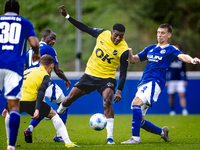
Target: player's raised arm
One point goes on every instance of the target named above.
(60, 73)
(133, 58)
(188, 59)
(92, 31)
(63, 10)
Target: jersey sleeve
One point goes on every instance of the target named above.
(41, 91)
(92, 31)
(123, 69)
(31, 31)
(51, 51)
(176, 53)
(143, 54)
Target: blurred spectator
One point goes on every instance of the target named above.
(176, 83)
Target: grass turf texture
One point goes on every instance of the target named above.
(184, 134)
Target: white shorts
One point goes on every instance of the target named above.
(12, 83)
(148, 93)
(176, 86)
(54, 93)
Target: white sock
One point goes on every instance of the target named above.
(109, 127)
(162, 133)
(31, 128)
(7, 118)
(61, 129)
(136, 138)
(61, 109)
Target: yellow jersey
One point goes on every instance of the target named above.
(105, 57)
(32, 81)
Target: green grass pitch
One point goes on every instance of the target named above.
(184, 134)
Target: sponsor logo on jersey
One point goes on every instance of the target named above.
(163, 51)
(101, 42)
(154, 58)
(100, 54)
(115, 52)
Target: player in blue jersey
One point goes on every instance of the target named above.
(53, 92)
(15, 30)
(176, 83)
(159, 57)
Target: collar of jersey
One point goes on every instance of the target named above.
(43, 42)
(163, 46)
(11, 14)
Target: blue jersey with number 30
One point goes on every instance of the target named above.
(158, 60)
(14, 32)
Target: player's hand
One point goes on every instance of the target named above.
(130, 55)
(117, 96)
(4, 113)
(35, 57)
(68, 83)
(196, 61)
(63, 10)
(36, 114)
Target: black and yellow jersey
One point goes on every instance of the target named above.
(105, 57)
(32, 81)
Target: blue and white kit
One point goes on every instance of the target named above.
(158, 60)
(176, 77)
(14, 32)
(54, 92)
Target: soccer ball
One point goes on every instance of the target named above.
(98, 121)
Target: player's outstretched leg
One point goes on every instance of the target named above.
(150, 127)
(57, 137)
(29, 130)
(136, 122)
(164, 134)
(61, 129)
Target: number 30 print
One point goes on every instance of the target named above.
(10, 32)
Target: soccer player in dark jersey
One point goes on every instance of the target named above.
(159, 57)
(54, 92)
(176, 83)
(15, 30)
(110, 51)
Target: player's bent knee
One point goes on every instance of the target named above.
(51, 113)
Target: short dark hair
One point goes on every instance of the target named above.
(46, 32)
(165, 25)
(12, 6)
(46, 60)
(119, 27)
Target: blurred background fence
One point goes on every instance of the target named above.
(92, 103)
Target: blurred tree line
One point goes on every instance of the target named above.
(140, 17)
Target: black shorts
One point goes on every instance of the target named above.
(89, 83)
(29, 107)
